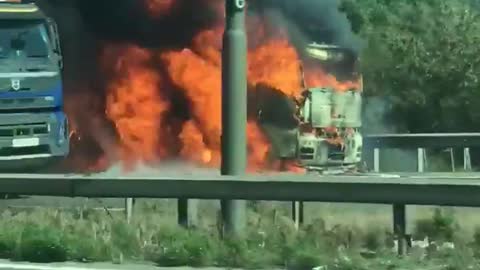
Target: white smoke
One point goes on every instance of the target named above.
(165, 169)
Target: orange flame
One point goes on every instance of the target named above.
(277, 65)
(200, 81)
(138, 94)
(136, 107)
(208, 44)
(316, 77)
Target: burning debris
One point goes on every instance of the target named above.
(156, 91)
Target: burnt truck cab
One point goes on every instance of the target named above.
(33, 125)
(320, 130)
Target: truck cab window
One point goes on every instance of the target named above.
(29, 38)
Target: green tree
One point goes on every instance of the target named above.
(423, 57)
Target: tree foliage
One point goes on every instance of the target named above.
(423, 58)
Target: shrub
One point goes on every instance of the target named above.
(41, 244)
(441, 227)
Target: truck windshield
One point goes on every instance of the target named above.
(331, 67)
(29, 37)
(339, 63)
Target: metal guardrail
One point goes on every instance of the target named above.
(398, 190)
(377, 189)
(421, 140)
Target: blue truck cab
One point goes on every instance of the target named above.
(33, 125)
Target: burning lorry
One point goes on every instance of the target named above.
(33, 126)
(319, 129)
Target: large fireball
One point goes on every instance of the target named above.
(165, 103)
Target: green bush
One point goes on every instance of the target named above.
(41, 244)
(52, 236)
(440, 227)
(180, 247)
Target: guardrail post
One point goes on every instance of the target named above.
(297, 213)
(399, 210)
(376, 160)
(399, 227)
(187, 212)
(452, 158)
(467, 163)
(234, 108)
(421, 160)
(129, 209)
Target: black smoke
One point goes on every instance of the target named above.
(307, 21)
(84, 24)
(128, 20)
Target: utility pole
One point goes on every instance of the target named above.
(234, 109)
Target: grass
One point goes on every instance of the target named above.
(84, 235)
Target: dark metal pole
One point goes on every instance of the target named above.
(234, 108)
(399, 227)
(187, 212)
